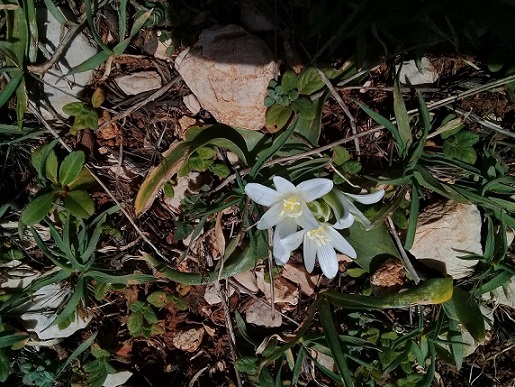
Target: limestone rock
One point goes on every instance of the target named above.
(228, 70)
(445, 232)
(139, 82)
(410, 74)
(60, 92)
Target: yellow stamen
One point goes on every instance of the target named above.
(319, 236)
(291, 208)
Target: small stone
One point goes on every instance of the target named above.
(189, 340)
(139, 82)
(192, 104)
(411, 75)
(446, 231)
(228, 70)
(389, 278)
(117, 379)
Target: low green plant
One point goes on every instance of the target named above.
(203, 159)
(61, 182)
(143, 320)
(84, 116)
(99, 368)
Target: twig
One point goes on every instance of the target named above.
(343, 105)
(487, 124)
(34, 111)
(41, 69)
(140, 104)
(405, 259)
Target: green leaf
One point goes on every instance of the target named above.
(87, 120)
(10, 340)
(135, 323)
(11, 87)
(220, 170)
(304, 107)
(277, 117)
(150, 315)
(51, 166)
(206, 153)
(309, 81)
(38, 208)
(39, 156)
(79, 204)
(5, 366)
(75, 108)
(71, 167)
(158, 299)
(351, 166)
(289, 81)
(168, 190)
(460, 147)
(340, 155)
(401, 116)
(372, 247)
(465, 309)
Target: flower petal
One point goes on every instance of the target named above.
(262, 194)
(283, 186)
(368, 198)
(327, 260)
(309, 252)
(359, 216)
(293, 241)
(271, 217)
(307, 219)
(282, 230)
(340, 243)
(314, 188)
(344, 222)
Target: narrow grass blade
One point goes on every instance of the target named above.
(55, 11)
(122, 18)
(11, 87)
(7, 341)
(402, 118)
(75, 354)
(500, 278)
(72, 303)
(127, 279)
(413, 216)
(334, 343)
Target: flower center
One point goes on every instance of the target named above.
(291, 208)
(319, 236)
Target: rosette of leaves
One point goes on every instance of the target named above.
(143, 320)
(63, 182)
(85, 117)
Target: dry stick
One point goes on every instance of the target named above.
(34, 111)
(487, 124)
(140, 104)
(343, 105)
(405, 259)
(41, 69)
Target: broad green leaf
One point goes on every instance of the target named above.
(83, 181)
(135, 323)
(220, 170)
(429, 292)
(277, 117)
(74, 108)
(460, 146)
(402, 118)
(158, 299)
(5, 366)
(372, 247)
(98, 98)
(289, 81)
(206, 153)
(309, 81)
(456, 337)
(305, 107)
(38, 208)
(87, 120)
(340, 155)
(39, 157)
(465, 309)
(51, 166)
(79, 204)
(71, 167)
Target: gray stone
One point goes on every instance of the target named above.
(228, 70)
(137, 83)
(410, 74)
(446, 231)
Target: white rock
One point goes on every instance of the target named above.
(192, 103)
(117, 379)
(65, 90)
(503, 295)
(445, 232)
(228, 70)
(163, 49)
(410, 74)
(139, 82)
(261, 314)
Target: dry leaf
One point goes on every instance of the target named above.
(260, 314)
(189, 340)
(298, 275)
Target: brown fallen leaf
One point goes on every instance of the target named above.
(189, 340)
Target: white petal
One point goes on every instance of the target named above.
(271, 217)
(344, 222)
(314, 188)
(309, 253)
(262, 194)
(327, 260)
(293, 241)
(340, 243)
(359, 216)
(369, 198)
(283, 186)
(307, 219)
(282, 230)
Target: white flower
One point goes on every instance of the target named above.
(349, 208)
(288, 208)
(320, 242)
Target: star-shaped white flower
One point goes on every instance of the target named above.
(320, 242)
(346, 201)
(288, 208)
